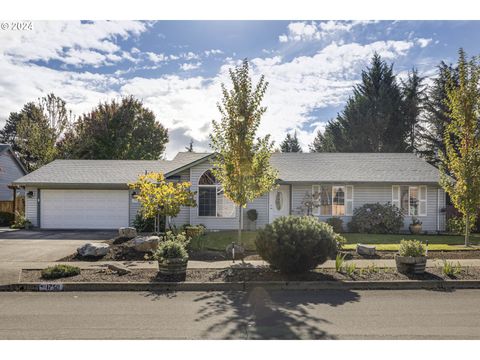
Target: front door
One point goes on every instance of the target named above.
(279, 202)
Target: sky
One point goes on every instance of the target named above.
(176, 67)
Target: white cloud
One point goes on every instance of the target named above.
(213, 52)
(69, 42)
(156, 58)
(423, 42)
(190, 66)
(308, 31)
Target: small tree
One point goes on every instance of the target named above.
(242, 164)
(461, 164)
(291, 144)
(160, 197)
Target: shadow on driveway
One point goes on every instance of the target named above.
(7, 234)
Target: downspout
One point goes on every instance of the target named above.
(438, 210)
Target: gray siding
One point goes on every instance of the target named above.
(382, 193)
(31, 206)
(261, 205)
(9, 171)
(183, 216)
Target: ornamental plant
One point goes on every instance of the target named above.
(159, 197)
(376, 219)
(170, 249)
(296, 244)
(413, 248)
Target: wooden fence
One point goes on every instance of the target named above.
(7, 206)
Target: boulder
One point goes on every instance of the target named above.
(239, 251)
(93, 249)
(127, 232)
(366, 250)
(146, 243)
(120, 270)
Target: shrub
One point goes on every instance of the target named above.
(376, 219)
(60, 271)
(336, 223)
(142, 224)
(252, 215)
(170, 249)
(456, 225)
(180, 237)
(21, 222)
(296, 244)
(6, 218)
(193, 231)
(350, 268)
(412, 248)
(451, 270)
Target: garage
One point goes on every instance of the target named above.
(84, 209)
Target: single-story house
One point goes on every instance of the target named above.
(11, 169)
(94, 194)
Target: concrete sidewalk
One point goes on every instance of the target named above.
(10, 271)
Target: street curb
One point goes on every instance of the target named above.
(247, 286)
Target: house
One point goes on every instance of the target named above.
(10, 169)
(94, 193)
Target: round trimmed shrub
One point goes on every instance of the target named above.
(296, 244)
(376, 219)
(336, 223)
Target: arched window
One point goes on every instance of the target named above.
(211, 198)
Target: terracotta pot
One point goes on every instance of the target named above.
(411, 264)
(172, 266)
(415, 229)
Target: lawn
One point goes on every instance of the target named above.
(218, 240)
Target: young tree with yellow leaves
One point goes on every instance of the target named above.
(160, 197)
(461, 169)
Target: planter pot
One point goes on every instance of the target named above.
(410, 264)
(172, 266)
(415, 229)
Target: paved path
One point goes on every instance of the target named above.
(237, 315)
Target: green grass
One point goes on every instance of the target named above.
(218, 240)
(354, 238)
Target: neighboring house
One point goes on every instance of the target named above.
(94, 193)
(10, 169)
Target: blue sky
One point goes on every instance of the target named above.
(176, 67)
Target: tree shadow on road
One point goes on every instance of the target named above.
(263, 314)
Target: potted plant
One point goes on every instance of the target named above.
(172, 258)
(252, 216)
(416, 226)
(411, 257)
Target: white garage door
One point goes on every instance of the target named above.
(83, 209)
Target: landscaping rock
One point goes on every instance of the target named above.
(146, 243)
(127, 232)
(239, 251)
(366, 250)
(93, 250)
(120, 270)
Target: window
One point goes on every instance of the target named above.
(332, 200)
(412, 200)
(211, 198)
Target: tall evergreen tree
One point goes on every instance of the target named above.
(326, 142)
(413, 91)
(291, 144)
(436, 117)
(372, 120)
(189, 148)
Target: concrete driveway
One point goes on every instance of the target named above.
(20, 247)
(24, 245)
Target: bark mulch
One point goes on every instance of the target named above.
(251, 274)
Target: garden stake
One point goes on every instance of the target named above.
(426, 248)
(233, 251)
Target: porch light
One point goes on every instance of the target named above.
(30, 194)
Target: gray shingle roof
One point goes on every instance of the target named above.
(353, 167)
(292, 167)
(102, 172)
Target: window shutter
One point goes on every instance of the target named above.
(316, 199)
(396, 196)
(349, 200)
(422, 197)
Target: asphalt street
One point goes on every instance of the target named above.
(259, 314)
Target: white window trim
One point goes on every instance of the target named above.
(398, 202)
(316, 211)
(216, 192)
